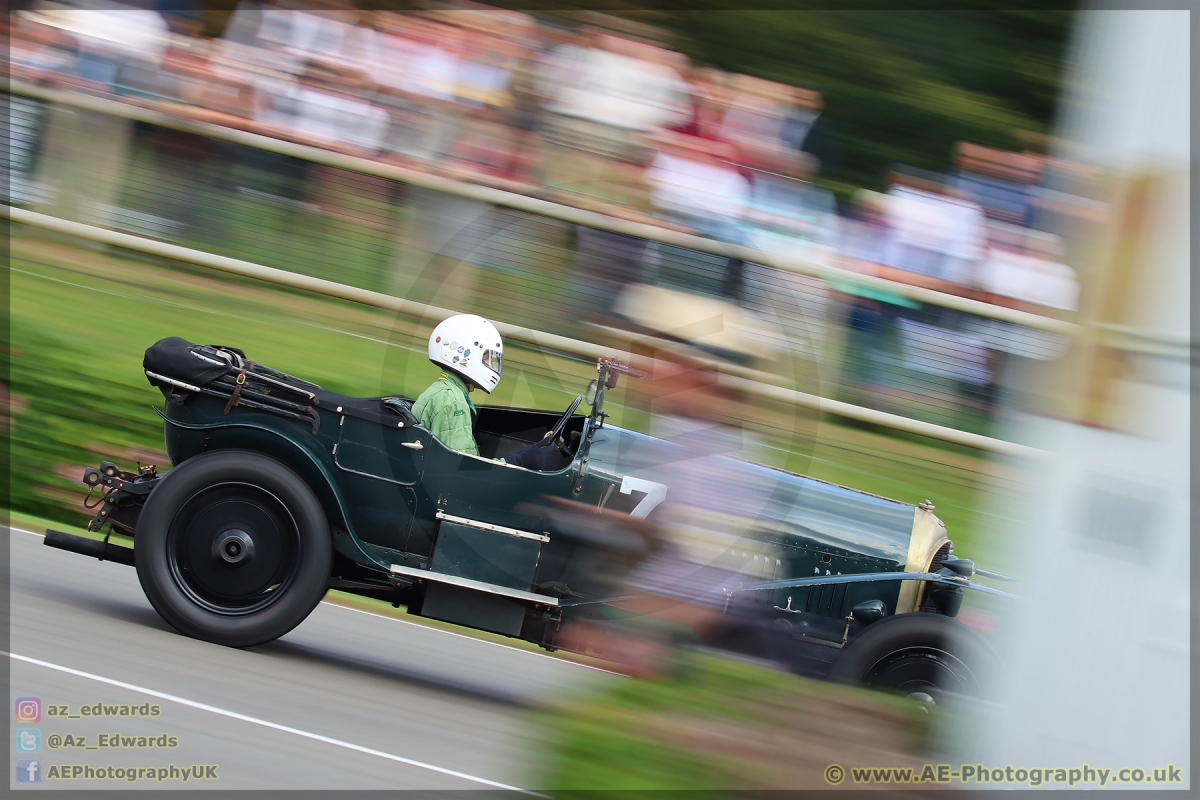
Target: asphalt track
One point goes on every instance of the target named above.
(347, 700)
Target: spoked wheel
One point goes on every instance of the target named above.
(922, 656)
(234, 548)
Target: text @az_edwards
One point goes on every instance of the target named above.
(75, 772)
(980, 774)
(111, 741)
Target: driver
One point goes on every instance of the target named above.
(470, 352)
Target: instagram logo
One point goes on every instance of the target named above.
(29, 709)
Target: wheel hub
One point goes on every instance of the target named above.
(925, 700)
(234, 546)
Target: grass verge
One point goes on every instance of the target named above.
(720, 727)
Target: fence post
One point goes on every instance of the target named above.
(83, 164)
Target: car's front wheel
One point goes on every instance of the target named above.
(233, 548)
(921, 655)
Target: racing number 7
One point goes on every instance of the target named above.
(655, 493)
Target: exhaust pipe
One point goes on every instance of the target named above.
(105, 551)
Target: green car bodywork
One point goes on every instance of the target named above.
(281, 490)
(409, 510)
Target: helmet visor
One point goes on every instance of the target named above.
(494, 360)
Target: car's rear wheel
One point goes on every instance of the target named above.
(926, 657)
(233, 548)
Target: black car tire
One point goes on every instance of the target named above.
(233, 547)
(919, 654)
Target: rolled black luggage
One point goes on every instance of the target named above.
(195, 365)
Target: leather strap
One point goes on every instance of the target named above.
(237, 389)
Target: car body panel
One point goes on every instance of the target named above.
(385, 487)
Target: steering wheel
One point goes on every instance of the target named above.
(555, 433)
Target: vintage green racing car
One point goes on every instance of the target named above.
(280, 490)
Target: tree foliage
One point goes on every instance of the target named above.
(900, 86)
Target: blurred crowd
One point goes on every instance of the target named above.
(599, 114)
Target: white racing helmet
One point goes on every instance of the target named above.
(470, 346)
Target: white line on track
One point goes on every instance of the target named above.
(266, 724)
(429, 628)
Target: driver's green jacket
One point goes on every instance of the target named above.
(446, 410)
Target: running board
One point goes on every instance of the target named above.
(479, 586)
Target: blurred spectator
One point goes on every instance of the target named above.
(1001, 183)
(413, 65)
(431, 69)
(932, 234)
(323, 109)
(324, 32)
(697, 184)
(490, 147)
(603, 95)
(196, 73)
(607, 78)
(243, 24)
(330, 111)
(788, 215)
(1067, 203)
(484, 71)
(114, 49)
(864, 231)
(240, 52)
(38, 50)
(122, 48)
(754, 122)
(707, 102)
(314, 87)
(807, 129)
(1025, 266)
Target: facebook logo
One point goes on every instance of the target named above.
(29, 740)
(29, 770)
